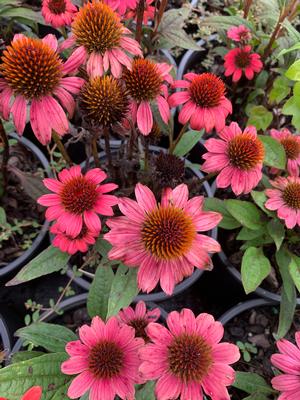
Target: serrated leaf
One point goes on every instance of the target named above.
(246, 213)
(48, 261)
(294, 268)
(255, 268)
(43, 371)
(260, 117)
(97, 302)
(187, 142)
(276, 231)
(228, 221)
(123, 289)
(274, 152)
(251, 382)
(51, 337)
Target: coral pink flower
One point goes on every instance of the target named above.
(78, 199)
(149, 12)
(71, 244)
(139, 318)
(35, 393)
(238, 158)
(291, 144)
(121, 6)
(289, 362)
(146, 82)
(58, 12)
(241, 60)
(106, 359)
(162, 239)
(101, 41)
(188, 359)
(239, 33)
(205, 104)
(285, 198)
(34, 75)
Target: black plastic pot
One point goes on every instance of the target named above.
(245, 306)
(76, 302)
(5, 336)
(84, 283)
(9, 323)
(29, 253)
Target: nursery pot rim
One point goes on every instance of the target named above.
(4, 335)
(71, 303)
(182, 286)
(244, 306)
(27, 255)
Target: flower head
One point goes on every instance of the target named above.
(238, 158)
(106, 359)
(145, 82)
(291, 144)
(241, 60)
(33, 74)
(239, 33)
(35, 393)
(162, 239)
(139, 318)
(58, 12)
(289, 362)
(188, 359)
(205, 104)
(285, 198)
(169, 170)
(78, 199)
(104, 101)
(100, 40)
(71, 244)
(149, 12)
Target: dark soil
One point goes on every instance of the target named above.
(257, 327)
(21, 210)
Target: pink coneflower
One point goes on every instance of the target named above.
(241, 60)
(71, 244)
(289, 362)
(106, 359)
(33, 74)
(285, 199)
(139, 318)
(188, 359)
(149, 12)
(35, 393)
(239, 33)
(162, 239)
(121, 6)
(238, 158)
(145, 82)
(205, 104)
(58, 12)
(291, 144)
(101, 41)
(78, 199)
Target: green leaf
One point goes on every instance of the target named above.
(48, 261)
(102, 246)
(97, 302)
(146, 392)
(246, 213)
(291, 107)
(294, 268)
(274, 152)
(3, 220)
(276, 231)
(283, 259)
(187, 142)
(255, 268)
(43, 371)
(256, 396)
(260, 199)
(285, 51)
(25, 355)
(280, 90)
(123, 289)
(225, 22)
(214, 204)
(286, 315)
(260, 117)
(251, 383)
(260, 241)
(249, 234)
(293, 72)
(50, 336)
